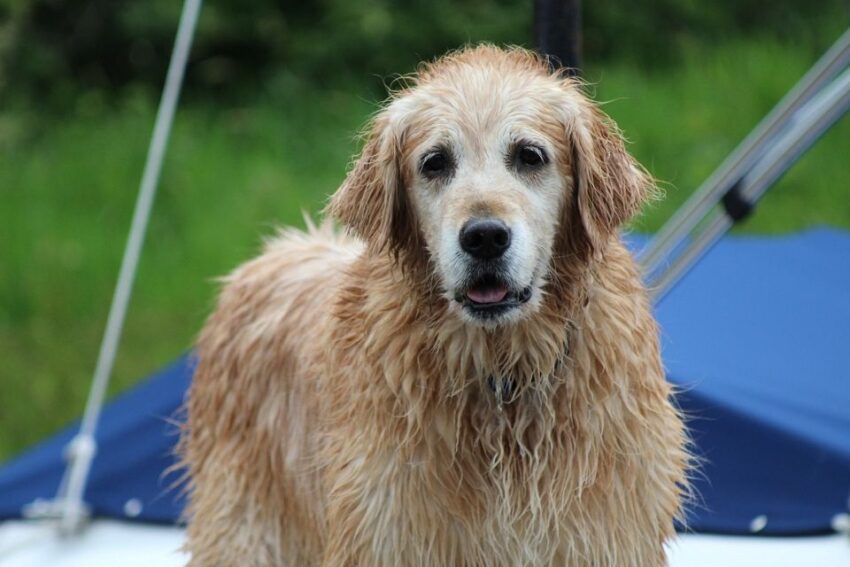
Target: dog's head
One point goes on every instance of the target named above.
(488, 170)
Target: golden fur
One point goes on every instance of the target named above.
(343, 413)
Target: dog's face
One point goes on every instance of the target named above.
(486, 190)
(481, 171)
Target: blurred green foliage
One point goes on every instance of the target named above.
(56, 46)
(52, 49)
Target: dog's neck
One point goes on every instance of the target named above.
(505, 361)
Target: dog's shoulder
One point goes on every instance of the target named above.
(616, 271)
(290, 280)
(288, 260)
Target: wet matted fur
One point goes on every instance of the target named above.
(356, 404)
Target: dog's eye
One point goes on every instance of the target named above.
(531, 156)
(435, 164)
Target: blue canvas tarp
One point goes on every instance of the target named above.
(134, 461)
(757, 339)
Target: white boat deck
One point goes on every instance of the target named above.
(109, 543)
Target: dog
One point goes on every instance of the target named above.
(469, 374)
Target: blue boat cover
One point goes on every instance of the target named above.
(757, 339)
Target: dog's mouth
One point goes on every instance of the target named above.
(490, 296)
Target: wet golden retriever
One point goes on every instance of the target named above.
(472, 377)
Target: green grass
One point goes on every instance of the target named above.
(684, 122)
(67, 188)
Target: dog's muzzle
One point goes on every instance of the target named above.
(489, 291)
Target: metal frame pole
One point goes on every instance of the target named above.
(820, 113)
(747, 153)
(69, 504)
(557, 32)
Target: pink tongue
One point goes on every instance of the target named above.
(487, 294)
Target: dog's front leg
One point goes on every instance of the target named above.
(384, 510)
(362, 518)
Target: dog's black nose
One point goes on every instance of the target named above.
(485, 239)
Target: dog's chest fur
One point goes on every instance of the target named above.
(481, 446)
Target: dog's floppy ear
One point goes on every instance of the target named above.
(372, 201)
(610, 185)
